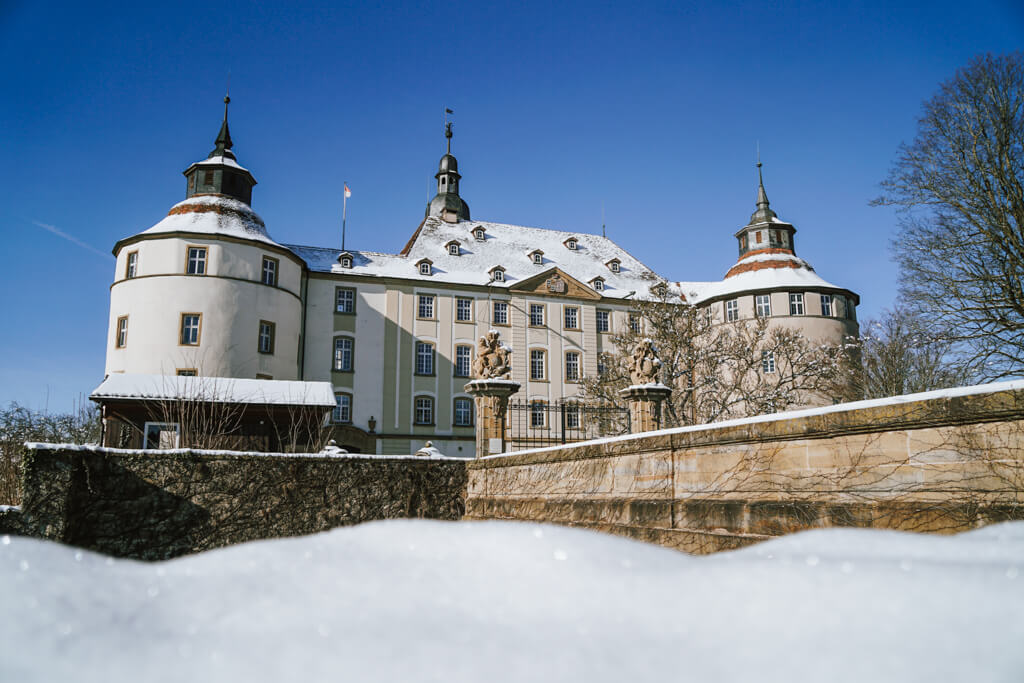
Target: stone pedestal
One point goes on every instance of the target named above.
(645, 406)
(491, 398)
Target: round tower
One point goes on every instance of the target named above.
(206, 290)
(447, 204)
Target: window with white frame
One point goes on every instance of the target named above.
(572, 317)
(342, 408)
(500, 313)
(424, 410)
(463, 412)
(196, 262)
(613, 266)
(425, 306)
(538, 258)
(161, 435)
(603, 321)
(122, 332)
(537, 364)
(269, 273)
(478, 234)
(634, 322)
(732, 310)
(498, 275)
(190, 324)
(826, 305)
(572, 416)
(536, 315)
(570, 244)
(265, 340)
(572, 366)
(463, 310)
(425, 268)
(346, 261)
(763, 305)
(463, 356)
(796, 303)
(768, 362)
(538, 414)
(344, 300)
(424, 358)
(131, 269)
(453, 248)
(343, 347)
(598, 285)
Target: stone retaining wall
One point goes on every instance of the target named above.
(942, 463)
(160, 504)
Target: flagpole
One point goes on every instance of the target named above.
(344, 207)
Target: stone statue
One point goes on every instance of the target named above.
(493, 359)
(645, 364)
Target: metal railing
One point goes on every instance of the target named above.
(536, 424)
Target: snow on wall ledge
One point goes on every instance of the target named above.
(160, 504)
(942, 461)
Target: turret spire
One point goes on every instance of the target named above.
(764, 212)
(447, 204)
(223, 142)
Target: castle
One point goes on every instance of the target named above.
(207, 291)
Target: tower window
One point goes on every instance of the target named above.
(826, 305)
(758, 237)
(195, 264)
(132, 265)
(207, 177)
(190, 324)
(763, 305)
(269, 271)
(122, 332)
(796, 304)
(265, 342)
(732, 310)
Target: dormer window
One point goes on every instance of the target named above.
(570, 244)
(613, 265)
(598, 284)
(425, 266)
(345, 259)
(497, 274)
(454, 249)
(479, 234)
(537, 256)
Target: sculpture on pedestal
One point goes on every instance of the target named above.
(645, 365)
(493, 359)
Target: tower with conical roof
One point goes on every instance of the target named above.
(765, 232)
(447, 204)
(220, 173)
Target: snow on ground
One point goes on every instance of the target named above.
(501, 601)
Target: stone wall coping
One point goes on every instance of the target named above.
(948, 407)
(104, 450)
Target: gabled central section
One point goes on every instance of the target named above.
(555, 282)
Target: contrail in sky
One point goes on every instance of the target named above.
(60, 233)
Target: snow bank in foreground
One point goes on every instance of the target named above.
(493, 601)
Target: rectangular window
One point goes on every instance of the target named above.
(190, 372)
(462, 360)
(343, 354)
(132, 266)
(768, 362)
(537, 364)
(190, 323)
(424, 410)
(572, 366)
(572, 318)
(602, 321)
(826, 304)
(269, 271)
(344, 300)
(464, 310)
(572, 416)
(160, 435)
(796, 304)
(425, 307)
(424, 358)
(196, 262)
(122, 332)
(763, 305)
(463, 412)
(266, 337)
(536, 315)
(732, 310)
(500, 316)
(634, 322)
(342, 408)
(538, 414)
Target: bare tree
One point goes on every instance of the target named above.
(960, 188)
(901, 354)
(720, 371)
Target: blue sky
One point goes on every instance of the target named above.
(652, 109)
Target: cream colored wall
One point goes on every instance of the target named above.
(230, 298)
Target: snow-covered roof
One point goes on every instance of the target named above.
(214, 215)
(215, 390)
(219, 160)
(757, 272)
(504, 245)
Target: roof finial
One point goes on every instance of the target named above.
(762, 196)
(223, 141)
(448, 128)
